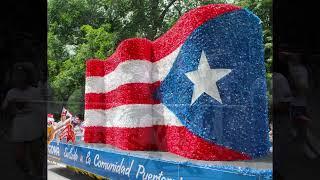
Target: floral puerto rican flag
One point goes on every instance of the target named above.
(198, 91)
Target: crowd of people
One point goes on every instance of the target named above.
(65, 126)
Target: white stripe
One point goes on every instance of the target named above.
(132, 116)
(132, 71)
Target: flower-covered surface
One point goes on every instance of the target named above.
(198, 91)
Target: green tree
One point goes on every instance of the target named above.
(78, 30)
(67, 77)
(66, 17)
(75, 102)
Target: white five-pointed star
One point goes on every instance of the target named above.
(205, 79)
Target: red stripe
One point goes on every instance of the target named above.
(177, 140)
(180, 141)
(130, 49)
(95, 67)
(172, 39)
(143, 49)
(139, 139)
(133, 93)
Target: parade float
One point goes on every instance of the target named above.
(190, 105)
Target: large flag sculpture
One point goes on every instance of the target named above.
(198, 91)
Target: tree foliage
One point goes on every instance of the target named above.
(85, 29)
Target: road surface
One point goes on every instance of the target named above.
(56, 172)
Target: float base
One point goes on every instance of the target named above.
(107, 161)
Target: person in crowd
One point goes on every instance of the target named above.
(300, 118)
(24, 103)
(282, 98)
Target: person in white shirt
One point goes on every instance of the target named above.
(25, 103)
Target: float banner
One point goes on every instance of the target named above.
(120, 165)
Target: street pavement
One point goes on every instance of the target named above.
(56, 172)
